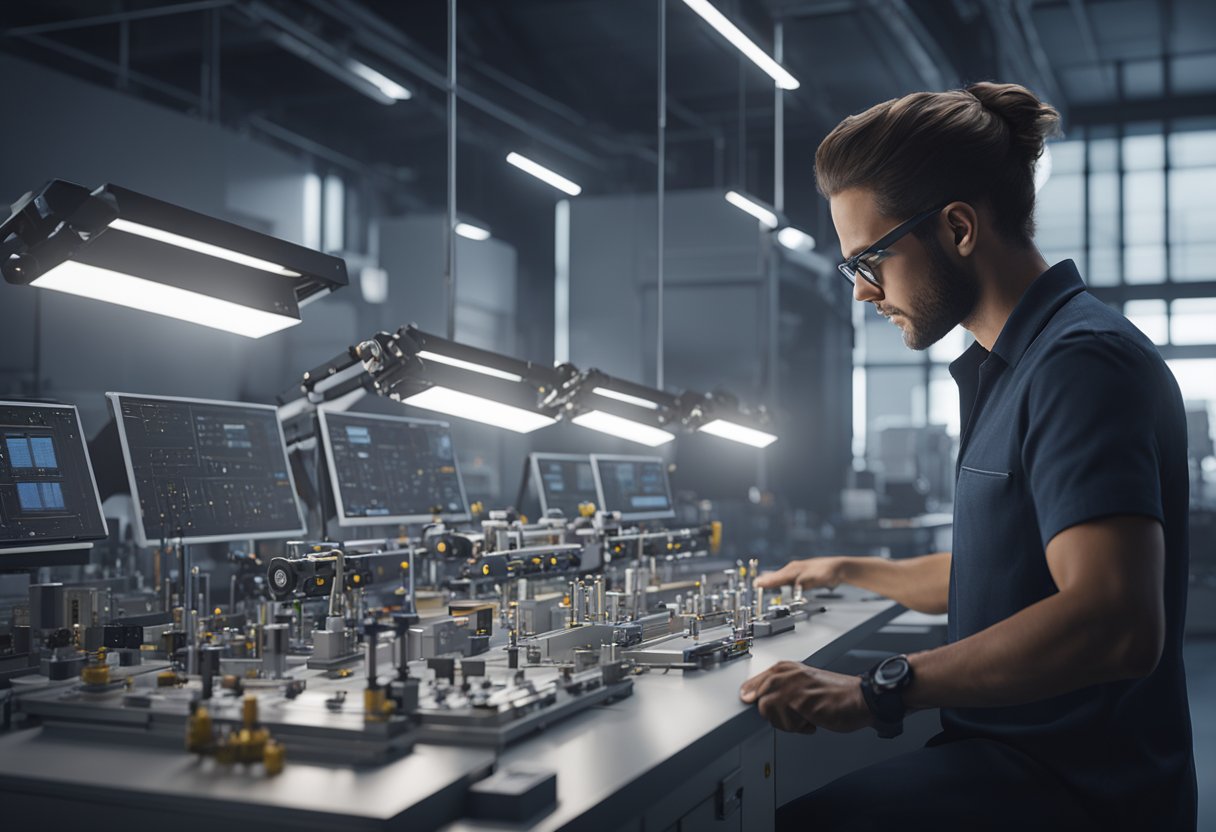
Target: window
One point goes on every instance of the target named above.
(1150, 317)
(1193, 321)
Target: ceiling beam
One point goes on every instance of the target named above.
(1149, 109)
(920, 48)
(116, 17)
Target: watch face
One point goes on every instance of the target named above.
(890, 672)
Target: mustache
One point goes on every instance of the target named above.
(888, 311)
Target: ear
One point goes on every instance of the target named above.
(961, 228)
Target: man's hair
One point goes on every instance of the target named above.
(976, 144)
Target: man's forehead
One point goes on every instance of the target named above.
(857, 218)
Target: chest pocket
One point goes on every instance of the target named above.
(988, 527)
(983, 508)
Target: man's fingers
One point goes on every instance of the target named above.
(781, 716)
(748, 690)
(785, 575)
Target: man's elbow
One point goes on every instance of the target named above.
(1138, 651)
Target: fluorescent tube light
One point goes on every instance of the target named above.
(133, 292)
(743, 43)
(382, 82)
(766, 217)
(795, 240)
(623, 428)
(625, 397)
(473, 232)
(738, 433)
(160, 235)
(427, 355)
(544, 174)
(487, 411)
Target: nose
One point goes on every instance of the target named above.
(865, 291)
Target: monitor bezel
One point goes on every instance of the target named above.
(388, 519)
(534, 460)
(63, 545)
(140, 533)
(635, 515)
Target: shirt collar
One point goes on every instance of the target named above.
(1050, 290)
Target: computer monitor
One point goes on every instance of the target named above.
(48, 496)
(391, 469)
(636, 486)
(206, 471)
(564, 482)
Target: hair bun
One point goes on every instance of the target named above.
(1030, 120)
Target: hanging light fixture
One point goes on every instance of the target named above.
(122, 247)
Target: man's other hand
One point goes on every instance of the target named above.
(811, 573)
(794, 697)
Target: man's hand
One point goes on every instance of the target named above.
(795, 697)
(811, 573)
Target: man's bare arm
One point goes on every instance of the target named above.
(1106, 623)
(921, 584)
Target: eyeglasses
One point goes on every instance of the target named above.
(863, 262)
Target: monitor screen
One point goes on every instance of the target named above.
(564, 482)
(636, 486)
(48, 497)
(206, 471)
(391, 469)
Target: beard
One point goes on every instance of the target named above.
(948, 297)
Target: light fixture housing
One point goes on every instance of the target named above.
(386, 85)
(472, 231)
(623, 428)
(478, 409)
(445, 376)
(126, 248)
(543, 173)
(736, 432)
(619, 408)
(720, 414)
(750, 205)
(795, 239)
(723, 26)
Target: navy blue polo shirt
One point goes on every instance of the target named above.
(1073, 416)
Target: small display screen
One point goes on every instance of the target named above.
(565, 482)
(206, 471)
(637, 487)
(48, 496)
(391, 469)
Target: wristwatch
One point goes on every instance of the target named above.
(883, 686)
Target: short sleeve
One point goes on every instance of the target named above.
(1091, 449)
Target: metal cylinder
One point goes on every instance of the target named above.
(46, 607)
(209, 668)
(576, 601)
(601, 614)
(276, 640)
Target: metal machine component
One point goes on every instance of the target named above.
(438, 637)
(334, 646)
(276, 642)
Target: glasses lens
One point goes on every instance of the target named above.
(848, 273)
(867, 272)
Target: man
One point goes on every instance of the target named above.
(1061, 688)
